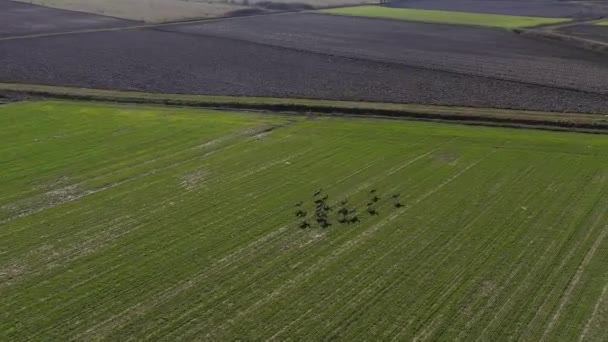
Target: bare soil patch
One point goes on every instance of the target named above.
(192, 180)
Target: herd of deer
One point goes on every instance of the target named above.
(345, 215)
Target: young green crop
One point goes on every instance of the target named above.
(445, 17)
(133, 222)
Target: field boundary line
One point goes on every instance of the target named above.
(142, 25)
(583, 43)
(554, 121)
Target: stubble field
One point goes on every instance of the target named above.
(149, 222)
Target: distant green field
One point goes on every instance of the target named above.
(126, 222)
(445, 17)
(603, 23)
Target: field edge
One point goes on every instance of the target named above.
(498, 21)
(580, 122)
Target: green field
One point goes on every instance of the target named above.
(445, 17)
(603, 23)
(132, 222)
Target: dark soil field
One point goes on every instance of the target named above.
(316, 56)
(538, 8)
(468, 50)
(18, 19)
(593, 32)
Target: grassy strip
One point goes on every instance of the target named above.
(446, 17)
(504, 117)
(603, 23)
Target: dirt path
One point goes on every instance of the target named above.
(555, 32)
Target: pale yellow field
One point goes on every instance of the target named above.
(167, 10)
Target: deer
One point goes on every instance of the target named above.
(396, 201)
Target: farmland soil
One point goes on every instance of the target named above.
(318, 56)
(18, 19)
(467, 50)
(167, 62)
(593, 32)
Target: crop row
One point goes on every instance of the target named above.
(499, 230)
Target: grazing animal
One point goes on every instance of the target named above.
(304, 224)
(375, 199)
(343, 215)
(317, 193)
(372, 191)
(325, 224)
(372, 211)
(354, 219)
(396, 203)
(322, 206)
(300, 213)
(299, 204)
